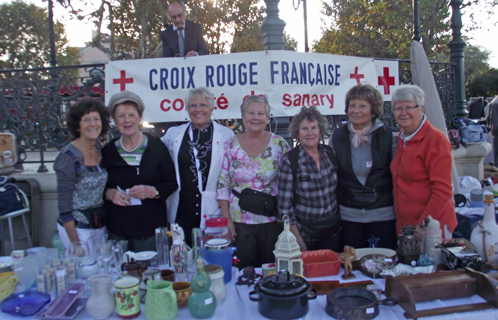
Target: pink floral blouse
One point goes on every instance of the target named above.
(240, 171)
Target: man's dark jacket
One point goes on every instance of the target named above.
(193, 40)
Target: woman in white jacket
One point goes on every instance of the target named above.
(197, 152)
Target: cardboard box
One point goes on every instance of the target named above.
(466, 224)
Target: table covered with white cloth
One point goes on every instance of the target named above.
(238, 306)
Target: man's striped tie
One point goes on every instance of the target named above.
(181, 41)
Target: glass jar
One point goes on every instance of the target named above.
(216, 228)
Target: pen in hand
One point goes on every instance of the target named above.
(121, 190)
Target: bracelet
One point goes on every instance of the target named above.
(301, 244)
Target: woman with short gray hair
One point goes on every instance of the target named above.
(200, 92)
(421, 167)
(197, 152)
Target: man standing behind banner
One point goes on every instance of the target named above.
(183, 38)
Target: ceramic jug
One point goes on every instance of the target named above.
(202, 302)
(218, 287)
(127, 297)
(160, 301)
(100, 304)
(485, 234)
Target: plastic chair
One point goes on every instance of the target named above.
(14, 214)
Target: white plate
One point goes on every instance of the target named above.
(5, 261)
(144, 255)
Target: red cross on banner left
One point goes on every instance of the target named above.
(289, 79)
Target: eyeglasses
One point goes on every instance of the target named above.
(200, 106)
(407, 109)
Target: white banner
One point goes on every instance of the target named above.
(289, 79)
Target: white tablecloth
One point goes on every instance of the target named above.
(238, 306)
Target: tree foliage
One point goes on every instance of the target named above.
(24, 38)
(383, 28)
(484, 85)
(476, 62)
(135, 25)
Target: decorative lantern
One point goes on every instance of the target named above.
(409, 244)
(287, 252)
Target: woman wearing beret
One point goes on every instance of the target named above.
(141, 177)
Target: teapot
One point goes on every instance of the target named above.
(133, 268)
(145, 258)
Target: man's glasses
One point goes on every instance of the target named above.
(407, 109)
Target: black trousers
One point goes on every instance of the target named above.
(255, 243)
(356, 234)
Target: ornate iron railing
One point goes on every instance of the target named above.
(34, 101)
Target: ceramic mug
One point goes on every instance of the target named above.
(147, 275)
(160, 302)
(127, 297)
(168, 275)
(183, 290)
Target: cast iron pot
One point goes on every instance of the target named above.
(283, 296)
(354, 304)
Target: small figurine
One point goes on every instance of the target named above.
(346, 258)
(249, 277)
(425, 260)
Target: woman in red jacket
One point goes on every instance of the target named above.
(421, 167)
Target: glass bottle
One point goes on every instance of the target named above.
(202, 302)
(485, 234)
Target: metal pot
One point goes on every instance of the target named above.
(283, 296)
(354, 303)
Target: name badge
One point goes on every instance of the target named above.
(369, 164)
(138, 157)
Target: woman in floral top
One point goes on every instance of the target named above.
(251, 160)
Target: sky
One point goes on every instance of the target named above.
(80, 32)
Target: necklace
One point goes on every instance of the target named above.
(122, 145)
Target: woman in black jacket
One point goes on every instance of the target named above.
(141, 177)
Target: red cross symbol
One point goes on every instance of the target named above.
(123, 80)
(356, 75)
(386, 81)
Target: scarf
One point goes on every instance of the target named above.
(359, 135)
(202, 140)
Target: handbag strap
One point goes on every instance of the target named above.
(294, 163)
(236, 193)
(293, 158)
